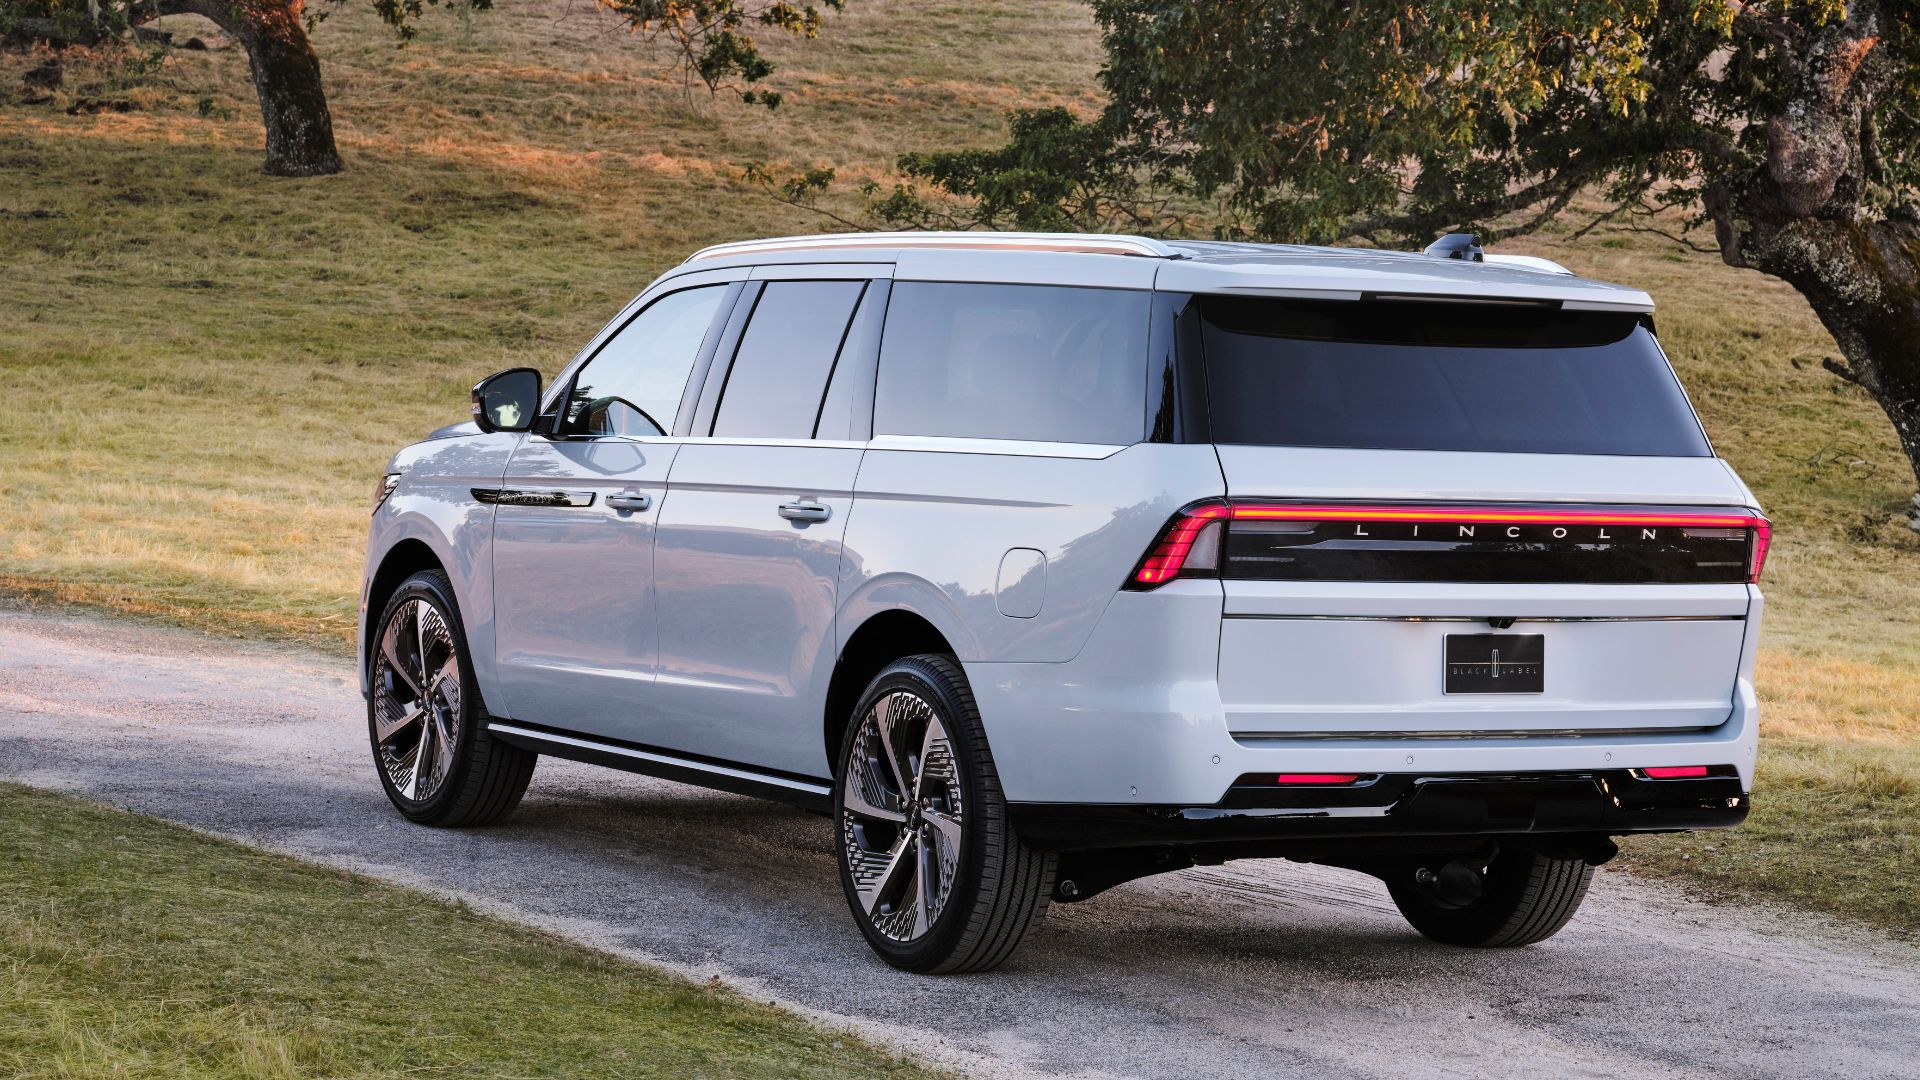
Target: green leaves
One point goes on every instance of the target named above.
(1319, 120)
(715, 40)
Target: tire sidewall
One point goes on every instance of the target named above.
(962, 725)
(433, 587)
(1482, 922)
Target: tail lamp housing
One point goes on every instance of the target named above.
(1193, 543)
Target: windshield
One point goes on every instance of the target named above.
(1422, 375)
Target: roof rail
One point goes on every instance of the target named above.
(1080, 243)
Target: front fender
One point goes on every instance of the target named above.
(434, 506)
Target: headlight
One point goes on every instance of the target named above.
(385, 488)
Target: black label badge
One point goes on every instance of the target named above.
(1496, 663)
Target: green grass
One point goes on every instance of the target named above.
(208, 367)
(134, 948)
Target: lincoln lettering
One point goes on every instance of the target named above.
(1410, 530)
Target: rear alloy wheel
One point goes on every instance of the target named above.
(437, 762)
(1517, 898)
(932, 869)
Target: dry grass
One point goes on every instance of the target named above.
(208, 367)
(222, 360)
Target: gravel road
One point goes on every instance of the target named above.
(1253, 969)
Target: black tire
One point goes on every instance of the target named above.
(998, 886)
(486, 777)
(1527, 898)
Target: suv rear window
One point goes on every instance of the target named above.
(1393, 375)
(1037, 363)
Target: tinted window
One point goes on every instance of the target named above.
(780, 370)
(847, 412)
(1437, 376)
(632, 386)
(1030, 362)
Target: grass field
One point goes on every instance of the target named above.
(133, 948)
(209, 367)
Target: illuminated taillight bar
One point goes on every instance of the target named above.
(1168, 557)
(1424, 514)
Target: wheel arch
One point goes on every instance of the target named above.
(404, 559)
(884, 637)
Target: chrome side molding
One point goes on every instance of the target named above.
(548, 497)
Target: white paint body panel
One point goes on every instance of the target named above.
(746, 601)
(930, 529)
(578, 641)
(1411, 475)
(1293, 675)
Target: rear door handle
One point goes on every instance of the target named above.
(805, 511)
(629, 502)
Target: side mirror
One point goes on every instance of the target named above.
(508, 400)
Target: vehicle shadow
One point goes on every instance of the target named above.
(744, 852)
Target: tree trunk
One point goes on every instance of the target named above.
(1861, 278)
(286, 76)
(1803, 216)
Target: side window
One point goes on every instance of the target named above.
(780, 371)
(1037, 363)
(632, 386)
(847, 412)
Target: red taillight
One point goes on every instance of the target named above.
(1169, 557)
(1762, 535)
(1315, 779)
(1675, 772)
(1483, 514)
(1172, 555)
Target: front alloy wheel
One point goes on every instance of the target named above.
(437, 761)
(934, 874)
(416, 700)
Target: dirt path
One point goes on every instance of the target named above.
(1254, 969)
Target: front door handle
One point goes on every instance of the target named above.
(629, 502)
(805, 511)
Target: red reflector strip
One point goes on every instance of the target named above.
(1315, 779)
(1675, 772)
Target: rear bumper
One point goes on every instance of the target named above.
(1137, 721)
(1405, 805)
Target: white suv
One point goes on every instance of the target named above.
(1044, 563)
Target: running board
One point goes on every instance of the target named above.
(800, 791)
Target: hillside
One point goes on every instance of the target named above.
(209, 366)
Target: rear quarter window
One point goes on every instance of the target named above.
(1028, 362)
(1412, 375)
